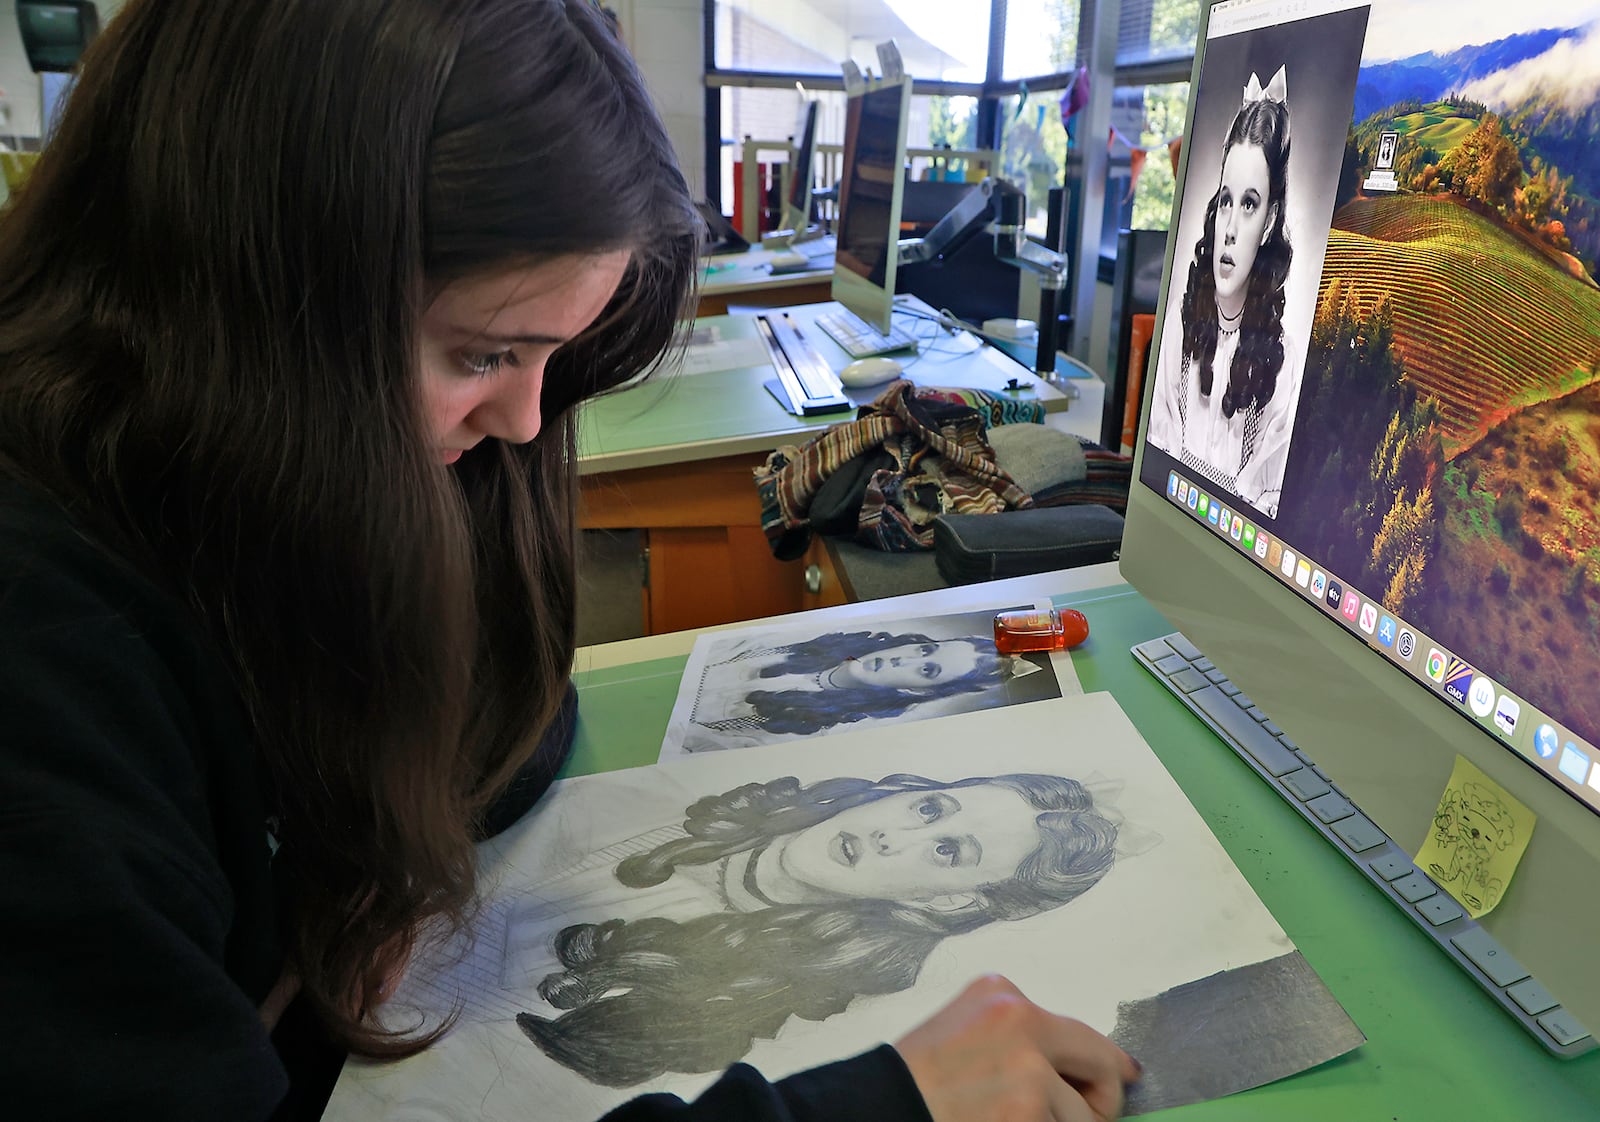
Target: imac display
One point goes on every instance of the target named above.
(1368, 478)
(797, 200)
(55, 32)
(869, 201)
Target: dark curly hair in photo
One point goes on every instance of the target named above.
(649, 996)
(1253, 376)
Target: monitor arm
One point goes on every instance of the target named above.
(997, 207)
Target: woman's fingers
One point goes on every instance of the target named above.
(993, 1055)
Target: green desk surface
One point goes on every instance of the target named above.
(1437, 1049)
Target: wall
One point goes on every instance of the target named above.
(667, 39)
(665, 36)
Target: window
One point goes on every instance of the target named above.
(945, 40)
(1013, 104)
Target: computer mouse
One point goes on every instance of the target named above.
(789, 261)
(870, 371)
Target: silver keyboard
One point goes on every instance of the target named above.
(860, 339)
(1197, 682)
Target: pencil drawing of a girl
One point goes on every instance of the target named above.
(776, 900)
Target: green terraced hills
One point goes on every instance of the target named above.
(1485, 322)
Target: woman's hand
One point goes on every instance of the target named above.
(995, 1056)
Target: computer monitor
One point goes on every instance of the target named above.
(55, 32)
(797, 200)
(870, 195)
(1413, 414)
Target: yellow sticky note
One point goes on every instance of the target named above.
(1477, 839)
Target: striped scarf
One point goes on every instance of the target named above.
(941, 463)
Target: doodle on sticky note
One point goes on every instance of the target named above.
(1478, 835)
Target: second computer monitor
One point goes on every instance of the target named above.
(797, 201)
(869, 201)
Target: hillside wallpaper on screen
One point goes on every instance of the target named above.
(1446, 459)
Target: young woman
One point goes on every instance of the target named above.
(1225, 399)
(759, 694)
(294, 311)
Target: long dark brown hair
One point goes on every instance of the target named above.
(210, 297)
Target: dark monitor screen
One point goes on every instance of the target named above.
(870, 195)
(54, 34)
(800, 171)
(874, 146)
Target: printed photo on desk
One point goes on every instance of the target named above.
(641, 930)
(767, 685)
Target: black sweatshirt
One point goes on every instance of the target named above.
(138, 929)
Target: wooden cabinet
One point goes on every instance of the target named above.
(708, 561)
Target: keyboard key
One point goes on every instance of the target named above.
(1393, 865)
(1533, 997)
(1563, 1027)
(1228, 688)
(1330, 807)
(1257, 715)
(1172, 664)
(1440, 909)
(1243, 702)
(1181, 644)
(1489, 956)
(1305, 784)
(1189, 679)
(1155, 650)
(1205, 666)
(1273, 729)
(1266, 751)
(1414, 887)
(1217, 677)
(1289, 744)
(1358, 832)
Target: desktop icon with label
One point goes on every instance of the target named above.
(1436, 668)
(1352, 606)
(1506, 713)
(1386, 629)
(1369, 618)
(1544, 741)
(1480, 698)
(1574, 764)
(1457, 680)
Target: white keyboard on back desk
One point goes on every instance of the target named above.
(859, 338)
(1196, 681)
